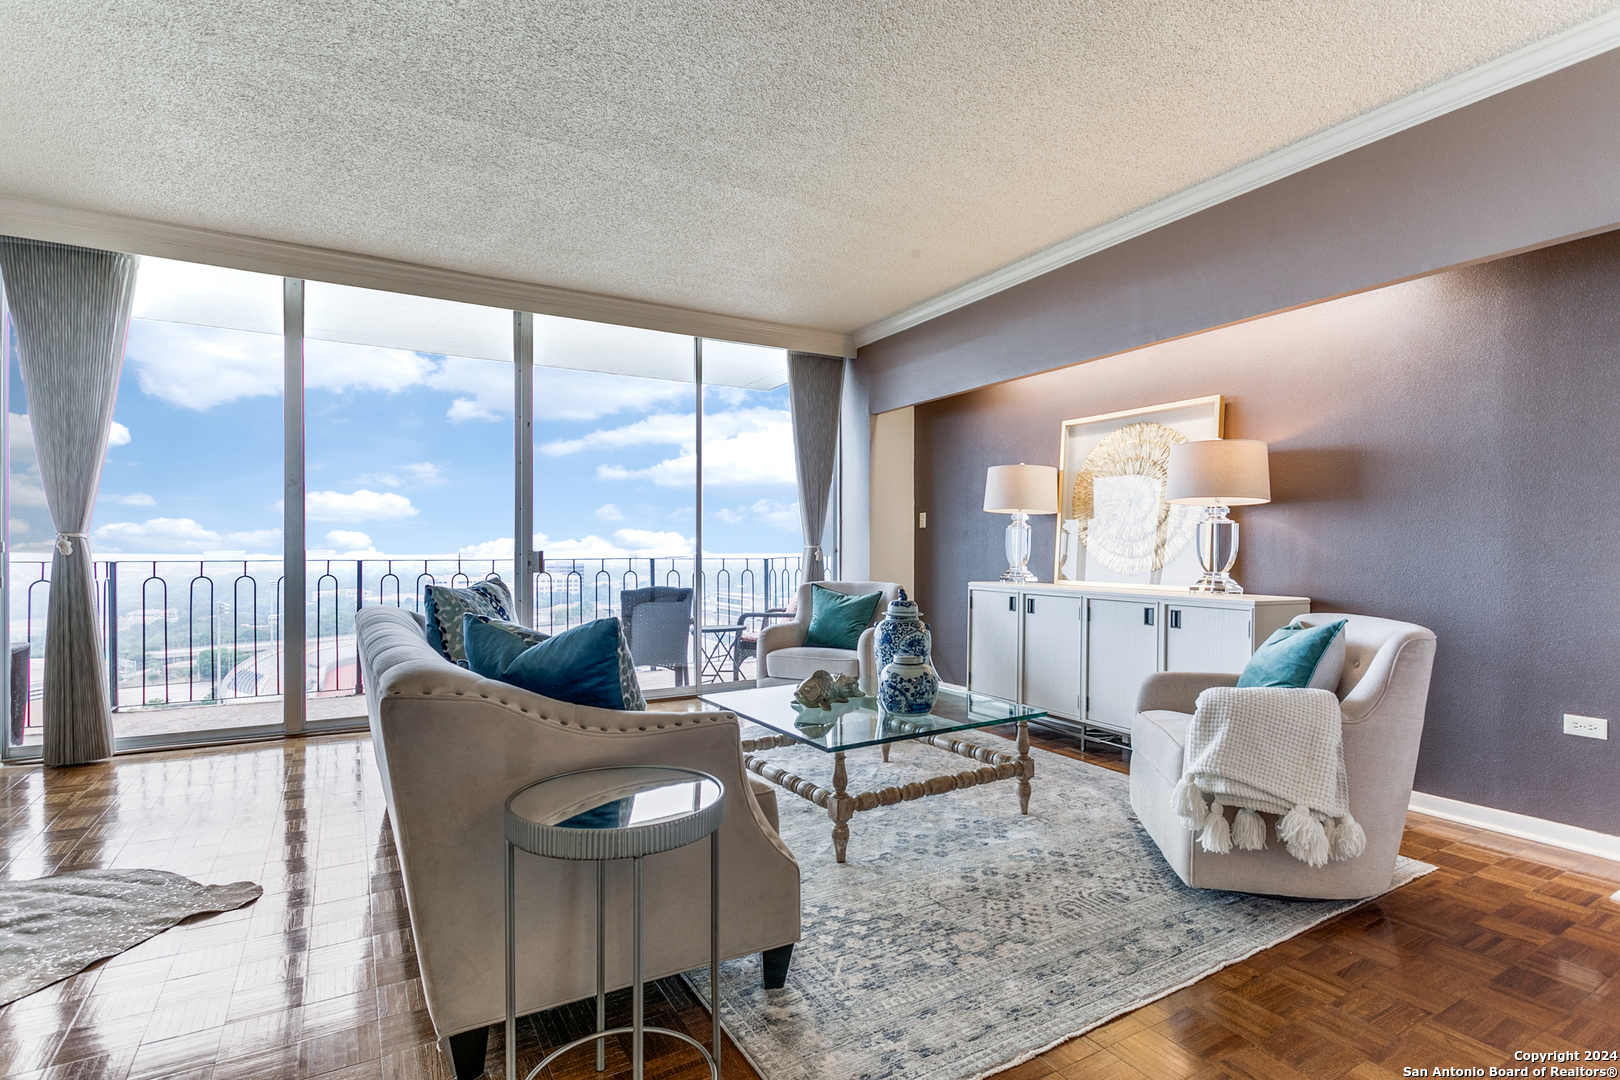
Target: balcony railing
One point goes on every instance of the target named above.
(181, 631)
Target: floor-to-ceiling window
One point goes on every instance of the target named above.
(648, 448)
(186, 531)
(407, 463)
(750, 500)
(616, 483)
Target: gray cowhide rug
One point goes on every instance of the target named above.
(961, 937)
(54, 927)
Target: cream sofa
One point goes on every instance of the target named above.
(784, 655)
(451, 746)
(1382, 696)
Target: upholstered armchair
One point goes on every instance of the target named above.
(783, 653)
(1382, 696)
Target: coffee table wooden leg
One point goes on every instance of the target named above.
(886, 751)
(1026, 766)
(841, 807)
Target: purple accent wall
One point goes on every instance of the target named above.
(1444, 451)
(1532, 166)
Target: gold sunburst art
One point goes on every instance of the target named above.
(1118, 501)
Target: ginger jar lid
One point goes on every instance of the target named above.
(902, 608)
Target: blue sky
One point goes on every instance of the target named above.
(409, 453)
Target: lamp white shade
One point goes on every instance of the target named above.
(1218, 472)
(1021, 489)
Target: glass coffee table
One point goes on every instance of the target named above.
(860, 723)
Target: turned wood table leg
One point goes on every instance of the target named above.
(840, 807)
(886, 751)
(1026, 766)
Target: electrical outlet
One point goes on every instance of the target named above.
(1589, 727)
(922, 521)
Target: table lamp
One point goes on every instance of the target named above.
(1020, 490)
(1216, 474)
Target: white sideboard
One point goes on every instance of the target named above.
(1080, 651)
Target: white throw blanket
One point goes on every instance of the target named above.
(1269, 750)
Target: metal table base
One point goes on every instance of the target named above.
(638, 1028)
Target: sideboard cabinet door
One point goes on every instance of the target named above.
(993, 643)
(1052, 626)
(1206, 638)
(1122, 649)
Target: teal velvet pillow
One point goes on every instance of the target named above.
(443, 607)
(837, 620)
(491, 644)
(1298, 656)
(588, 665)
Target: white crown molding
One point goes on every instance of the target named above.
(113, 232)
(1544, 57)
(1552, 833)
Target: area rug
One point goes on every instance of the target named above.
(54, 927)
(961, 938)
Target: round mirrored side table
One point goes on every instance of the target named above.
(598, 815)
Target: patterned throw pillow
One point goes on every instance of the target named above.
(588, 665)
(444, 606)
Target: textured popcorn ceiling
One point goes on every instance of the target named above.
(818, 164)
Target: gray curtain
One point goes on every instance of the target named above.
(70, 306)
(815, 384)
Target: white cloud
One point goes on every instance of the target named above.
(587, 395)
(25, 490)
(18, 525)
(26, 486)
(625, 543)
(362, 505)
(257, 538)
(672, 428)
(484, 387)
(348, 538)
(134, 498)
(779, 515)
(425, 474)
(198, 367)
(419, 474)
(157, 536)
(22, 437)
(609, 512)
(118, 435)
(503, 548)
(740, 447)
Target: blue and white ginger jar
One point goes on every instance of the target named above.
(907, 686)
(902, 632)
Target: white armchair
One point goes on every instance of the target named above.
(784, 655)
(1382, 696)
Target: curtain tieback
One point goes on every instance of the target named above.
(65, 545)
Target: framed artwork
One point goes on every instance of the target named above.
(1113, 523)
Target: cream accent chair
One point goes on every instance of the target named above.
(451, 746)
(1382, 696)
(784, 655)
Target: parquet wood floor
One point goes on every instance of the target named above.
(1509, 946)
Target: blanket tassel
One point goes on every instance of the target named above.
(1348, 840)
(1217, 836)
(1187, 802)
(1249, 830)
(1304, 836)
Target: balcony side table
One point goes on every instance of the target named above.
(598, 815)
